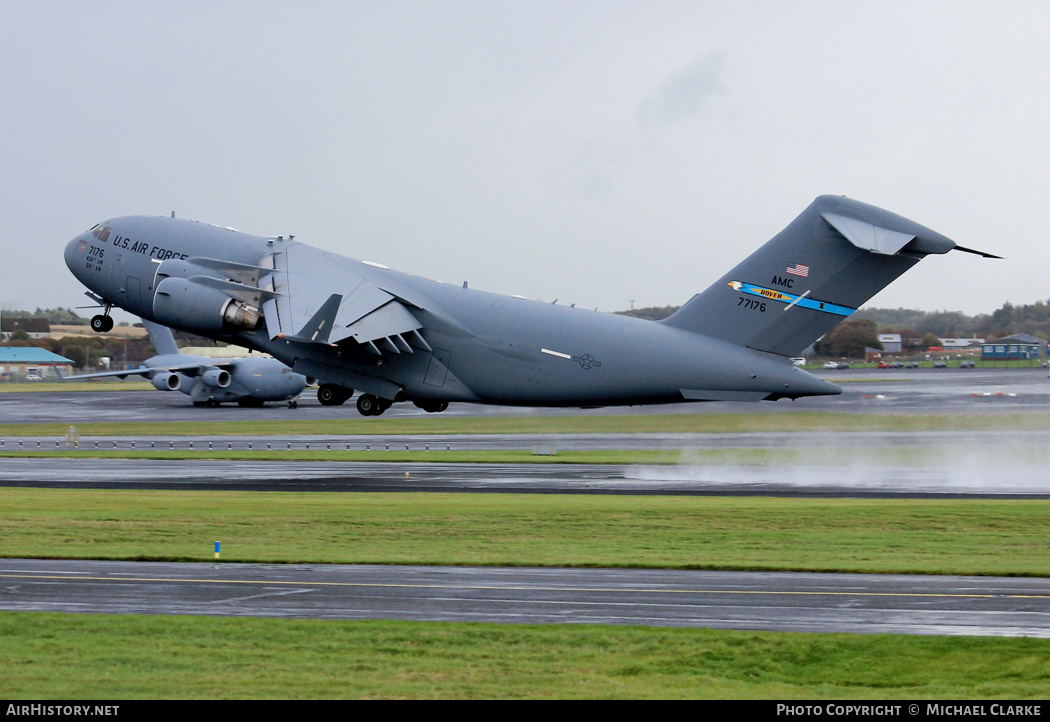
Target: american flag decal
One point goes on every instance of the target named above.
(798, 270)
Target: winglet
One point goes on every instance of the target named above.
(320, 325)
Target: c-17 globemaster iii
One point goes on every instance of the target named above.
(395, 336)
(208, 381)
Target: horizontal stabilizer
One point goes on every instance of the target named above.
(867, 236)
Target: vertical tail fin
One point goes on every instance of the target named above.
(831, 259)
(162, 337)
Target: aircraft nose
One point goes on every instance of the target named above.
(74, 254)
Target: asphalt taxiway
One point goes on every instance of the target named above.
(789, 602)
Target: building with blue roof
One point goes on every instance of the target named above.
(1017, 346)
(22, 363)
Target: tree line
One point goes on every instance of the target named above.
(919, 330)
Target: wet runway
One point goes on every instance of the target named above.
(897, 391)
(991, 463)
(720, 479)
(1009, 463)
(851, 603)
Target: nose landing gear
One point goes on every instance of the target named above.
(103, 322)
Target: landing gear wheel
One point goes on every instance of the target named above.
(101, 324)
(293, 404)
(367, 404)
(333, 394)
(371, 405)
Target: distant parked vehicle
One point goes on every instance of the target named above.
(799, 361)
(897, 365)
(912, 365)
(968, 365)
(831, 364)
(34, 377)
(940, 364)
(883, 365)
(843, 365)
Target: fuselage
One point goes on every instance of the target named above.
(254, 378)
(484, 347)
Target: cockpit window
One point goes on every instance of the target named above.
(101, 233)
(81, 245)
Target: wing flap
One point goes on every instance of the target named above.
(313, 299)
(391, 319)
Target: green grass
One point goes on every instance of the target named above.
(985, 537)
(82, 657)
(598, 424)
(37, 386)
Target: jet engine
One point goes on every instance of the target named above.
(183, 303)
(166, 381)
(216, 378)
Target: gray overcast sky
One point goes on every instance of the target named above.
(593, 152)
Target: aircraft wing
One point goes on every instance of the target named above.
(319, 297)
(189, 369)
(141, 371)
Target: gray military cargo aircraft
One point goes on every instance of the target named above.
(395, 336)
(249, 381)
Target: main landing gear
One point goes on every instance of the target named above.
(103, 322)
(369, 404)
(333, 394)
(372, 405)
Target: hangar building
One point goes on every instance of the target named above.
(28, 362)
(1018, 346)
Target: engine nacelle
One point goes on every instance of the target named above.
(216, 378)
(166, 381)
(182, 303)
